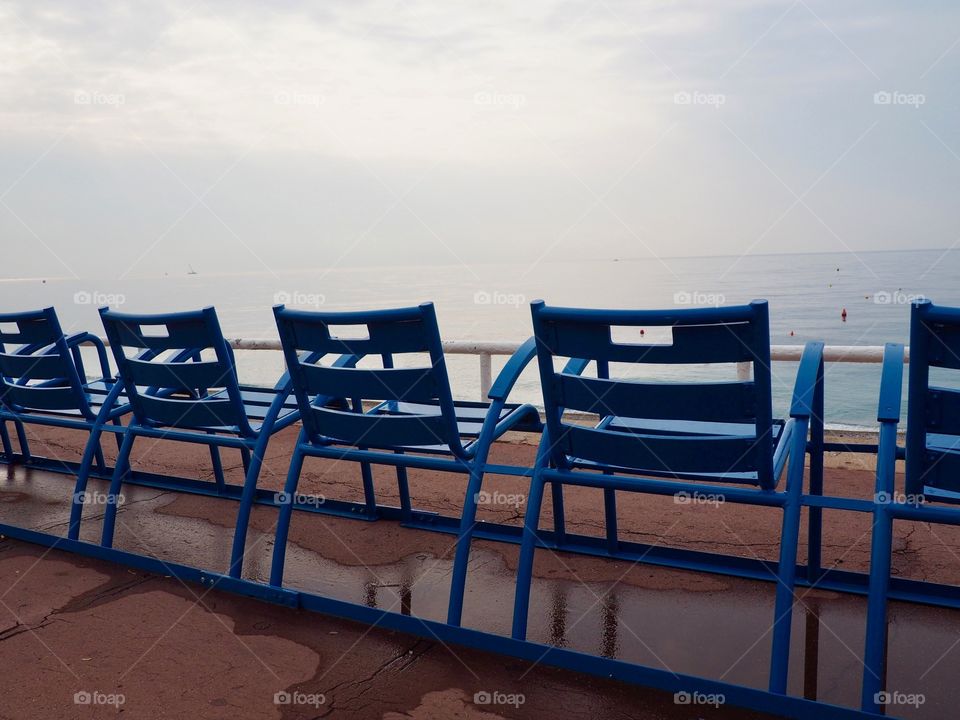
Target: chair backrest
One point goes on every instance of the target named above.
(178, 369)
(38, 371)
(430, 420)
(933, 413)
(699, 336)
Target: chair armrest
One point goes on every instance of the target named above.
(808, 388)
(891, 384)
(77, 339)
(511, 371)
(888, 415)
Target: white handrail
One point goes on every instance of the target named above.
(486, 351)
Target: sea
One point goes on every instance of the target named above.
(840, 298)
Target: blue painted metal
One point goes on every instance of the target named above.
(181, 381)
(43, 381)
(413, 421)
(932, 441)
(713, 438)
(696, 437)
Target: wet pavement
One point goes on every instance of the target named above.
(76, 625)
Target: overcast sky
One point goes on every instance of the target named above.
(136, 138)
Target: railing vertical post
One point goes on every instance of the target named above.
(486, 374)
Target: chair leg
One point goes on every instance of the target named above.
(521, 602)
(99, 460)
(610, 511)
(815, 516)
(83, 475)
(217, 468)
(284, 517)
(5, 439)
(110, 516)
(246, 504)
(881, 549)
(369, 494)
(22, 439)
(118, 436)
(403, 487)
(458, 580)
(787, 567)
(245, 459)
(559, 521)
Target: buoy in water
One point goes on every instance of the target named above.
(791, 333)
(843, 315)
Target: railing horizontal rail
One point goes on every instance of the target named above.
(485, 350)
(831, 353)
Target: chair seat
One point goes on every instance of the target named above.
(256, 405)
(470, 417)
(96, 394)
(699, 429)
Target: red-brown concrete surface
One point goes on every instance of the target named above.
(70, 625)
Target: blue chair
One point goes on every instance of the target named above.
(181, 380)
(404, 417)
(932, 477)
(686, 439)
(43, 382)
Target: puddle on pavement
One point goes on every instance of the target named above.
(719, 634)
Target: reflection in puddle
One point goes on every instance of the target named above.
(722, 634)
(558, 616)
(811, 647)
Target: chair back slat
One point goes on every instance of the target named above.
(733, 401)
(661, 454)
(933, 413)
(177, 376)
(379, 333)
(40, 398)
(34, 327)
(33, 366)
(943, 411)
(381, 431)
(412, 384)
(177, 412)
(167, 380)
(692, 342)
(699, 336)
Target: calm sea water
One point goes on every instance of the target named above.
(807, 294)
